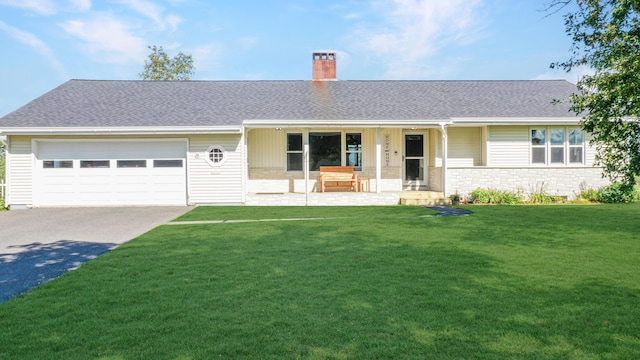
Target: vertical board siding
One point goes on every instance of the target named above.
(465, 147)
(435, 148)
(508, 146)
(20, 171)
(215, 184)
(267, 148)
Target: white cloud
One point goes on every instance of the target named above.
(80, 5)
(32, 41)
(154, 12)
(107, 38)
(412, 31)
(43, 7)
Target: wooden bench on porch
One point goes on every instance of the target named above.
(338, 177)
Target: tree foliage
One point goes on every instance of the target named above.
(2, 161)
(160, 67)
(606, 38)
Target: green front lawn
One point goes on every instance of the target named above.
(532, 282)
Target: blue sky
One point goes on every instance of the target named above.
(47, 42)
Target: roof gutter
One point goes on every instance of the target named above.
(574, 120)
(259, 123)
(122, 130)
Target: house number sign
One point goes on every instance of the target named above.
(387, 150)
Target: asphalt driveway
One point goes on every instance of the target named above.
(37, 245)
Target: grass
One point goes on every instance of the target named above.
(526, 282)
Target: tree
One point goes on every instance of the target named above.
(606, 38)
(160, 67)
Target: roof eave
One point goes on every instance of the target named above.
(573, 120)
(122, 130)
(260, 123)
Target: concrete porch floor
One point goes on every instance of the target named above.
(346, 198)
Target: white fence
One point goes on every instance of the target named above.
(3, 191)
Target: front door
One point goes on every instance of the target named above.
(414, 161)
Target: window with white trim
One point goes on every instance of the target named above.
(538, 146)
(576, 146)
(354, 150)
(294, 152)
(216, 155)
(557, 146)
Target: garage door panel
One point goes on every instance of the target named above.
(113, 185)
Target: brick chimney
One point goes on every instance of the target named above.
(324, 66)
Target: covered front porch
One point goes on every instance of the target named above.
(283, 162)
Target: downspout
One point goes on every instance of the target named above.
(7, 169)
(445, 147)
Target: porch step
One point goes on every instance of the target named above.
(425, 198)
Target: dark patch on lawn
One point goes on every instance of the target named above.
(38, 263)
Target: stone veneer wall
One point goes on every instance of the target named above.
(554, 181)
(435, 178)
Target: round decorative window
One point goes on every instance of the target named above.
(215, 155)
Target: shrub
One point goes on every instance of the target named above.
(592, 195)
(540, 196)
(491, 196)
(480, 195)
(618, 193)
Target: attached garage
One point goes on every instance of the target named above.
(110, 172)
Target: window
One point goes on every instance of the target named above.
(294, 152)
(325, 148)
(216, 155)
(538, 146)
(57, 164)
(167, 163)
(556, 146)
(576, 146)
(354, 151)
(94, 164)
(132, 163)
(556, 143)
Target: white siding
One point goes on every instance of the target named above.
(267, 148)
(590, 152)
(465, 146)
(215, 184)
(19, 171)
(508, 146)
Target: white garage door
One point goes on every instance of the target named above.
(91, 173)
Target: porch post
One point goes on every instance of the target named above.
(445, 146)
(305, 165)
(378, 160)
(245, 166)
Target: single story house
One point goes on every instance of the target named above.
(90, 142)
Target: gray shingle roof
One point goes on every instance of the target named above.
(98, 103)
